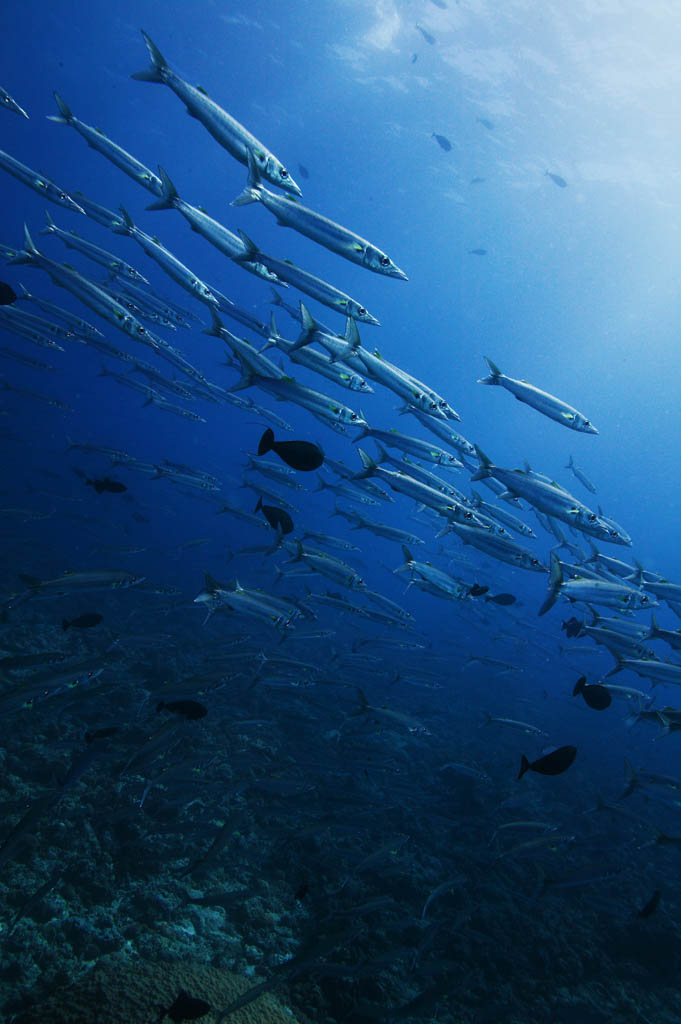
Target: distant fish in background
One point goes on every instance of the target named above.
(7, 294)
(477, 591)
(651, 906)
(414, 58)
(302, 455)
(555, 763)
(502, 599)
(86, 621)
(477, 181)
(477, 252)
(573, 627)
(189, 709)
(583, 479)
(185, 1007)
(106, 484)
(426, 35)
(440, 3)
(485, 123)
(304, 173)
(442, 141)
(556, 178)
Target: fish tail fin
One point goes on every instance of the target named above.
(259, 505)
(276, 299)
(524, 766)
(408, 557)
(65, 625)
(128, 222)
(486, 466)
(579, 686)
(266, 442)
(216, 325)
(50, 226)
(571, 463)
(494, 376)
(632, 779)
(361, 697)
(252, 193)
(555, 582)
(169, 194)
(64, 116)
(351, 335)
(251, 251)
(369, 464)
(618, 666)
(381, 454)
(157, 70)
(29, 250)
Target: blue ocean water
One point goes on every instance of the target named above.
(371, 740)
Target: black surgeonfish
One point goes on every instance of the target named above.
(596, 696)
(302, 455)
(555, 763)
(278, 518)
(502, 599)
(573, 627)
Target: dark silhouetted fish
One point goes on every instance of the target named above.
(190, 709)
(414, 58)
(555, 763)
(485, 123)
(7, 294)
(302, 455)
(440, 3)
(477, 181)
(101, 734)
(502, 599)
(426, 35)
(573, 626)
(186, 1007)
(86, 621)
(596, 696)
(477, 591)
(278, 518)
(651, 906)
(560, 182)
(304, 173)
(443, 142)
(477, 252)
(105, 484)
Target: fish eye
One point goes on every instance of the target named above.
(63, 196)
(587, 423)
(141, 330)
(644, 599)
(534, 561)
(362, 311)
(384, 261)
(284, 172)
(593, 517)
(468, 515)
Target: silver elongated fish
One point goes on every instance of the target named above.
(290, 213)
(224, 128)
(612, 595)
(75, 323)
(581, 476)
(322, 291)
(92, 295)
(39, 183)
(8, 103)
(214, 232)
(540, 400)
(96, 139)
(167, 261)
(112, 264)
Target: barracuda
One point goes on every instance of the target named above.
(290, 213)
